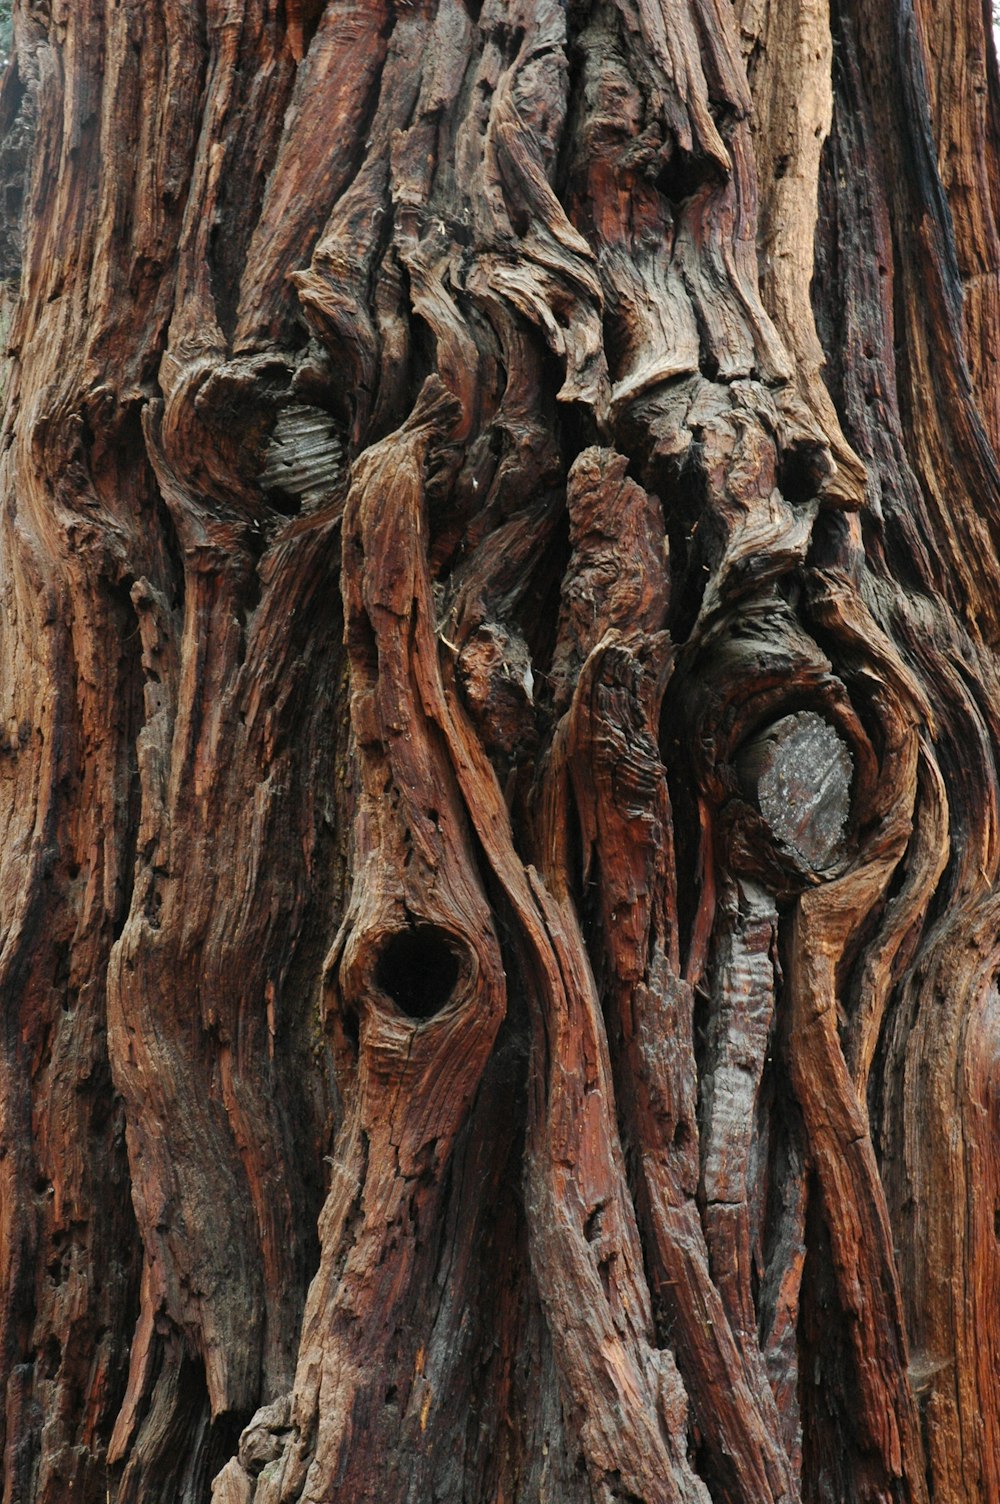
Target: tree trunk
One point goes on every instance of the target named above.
(499, 746)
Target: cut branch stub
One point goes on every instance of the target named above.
(798, 774)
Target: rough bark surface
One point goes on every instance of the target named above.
(499, 735)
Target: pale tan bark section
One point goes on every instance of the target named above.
(790, 63)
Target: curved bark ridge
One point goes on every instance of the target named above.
(570, 910)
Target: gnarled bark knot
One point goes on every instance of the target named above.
(798, 774)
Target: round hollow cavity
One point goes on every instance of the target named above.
(798, 773)
(418, 968)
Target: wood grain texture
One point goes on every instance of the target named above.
(499, 730)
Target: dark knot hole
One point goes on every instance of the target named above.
(418, 968)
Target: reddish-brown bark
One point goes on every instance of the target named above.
(499, 729)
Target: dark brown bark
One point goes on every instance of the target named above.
(499, 731)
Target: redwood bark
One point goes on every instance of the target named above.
(499, 744)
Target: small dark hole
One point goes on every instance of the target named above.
(288, 503)
(418, 969)
(802, 470)
(593, 1228)
(351, 1025)
(51, 1357)
(604, 1270)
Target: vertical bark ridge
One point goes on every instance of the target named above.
(936, 1034)
(944, 425)
(611, 735)
(333, 86)
(958, 53)
(68, 560)
(419, 998)
(791, 73)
